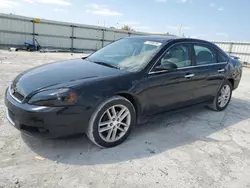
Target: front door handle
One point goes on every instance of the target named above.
(221, 70)
(189, 75)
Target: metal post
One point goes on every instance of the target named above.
(72, 38)
(103, 34)
(180, 30)
(230, 48)
(33, 32)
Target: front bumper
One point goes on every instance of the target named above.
(48, 122)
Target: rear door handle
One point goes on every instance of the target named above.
(221, 70)
(189, 75)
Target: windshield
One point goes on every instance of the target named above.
(131, 54)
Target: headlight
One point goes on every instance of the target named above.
(55, 97)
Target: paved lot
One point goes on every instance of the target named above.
(196, 148)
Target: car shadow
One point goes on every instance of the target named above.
(162, 133)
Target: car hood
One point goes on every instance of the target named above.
(53, 74)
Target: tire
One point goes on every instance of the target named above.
(102, 139)
(216, 104)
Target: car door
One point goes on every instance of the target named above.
(209, 72)
(170, 89)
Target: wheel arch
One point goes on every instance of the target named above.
(133, 99)
(231, 80)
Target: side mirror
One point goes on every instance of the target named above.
(167, 66)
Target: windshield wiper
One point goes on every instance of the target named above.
(106, 64)
(86, 58)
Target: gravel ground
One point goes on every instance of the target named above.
(195, 148)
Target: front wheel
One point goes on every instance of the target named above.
(223, 97)
(112, 122)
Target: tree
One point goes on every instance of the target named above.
(169, 34)
(127, 28)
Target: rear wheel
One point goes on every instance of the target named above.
(112, 122)
(223, 97)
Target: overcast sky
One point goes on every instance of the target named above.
(206, 19)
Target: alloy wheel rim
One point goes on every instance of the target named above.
(114, 123)
(224, 96)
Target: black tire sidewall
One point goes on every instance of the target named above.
(99, 141)
(218, 94)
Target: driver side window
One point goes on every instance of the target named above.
(178, 54)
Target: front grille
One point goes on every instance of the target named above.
(34, 129)
(29, 128)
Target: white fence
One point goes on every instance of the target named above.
(239, 49)
(15, 30)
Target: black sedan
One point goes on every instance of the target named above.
(105, 94)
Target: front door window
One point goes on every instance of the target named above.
(179, 55)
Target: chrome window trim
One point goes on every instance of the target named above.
(184, 42)
(13, 95)
(189, 67)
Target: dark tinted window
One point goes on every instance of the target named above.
(204, 55)
(179, 55)
(221, 57)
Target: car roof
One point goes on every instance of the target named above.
(155, 38)
(165, 39)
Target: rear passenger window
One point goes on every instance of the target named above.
(221, 58)
(204, 55)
